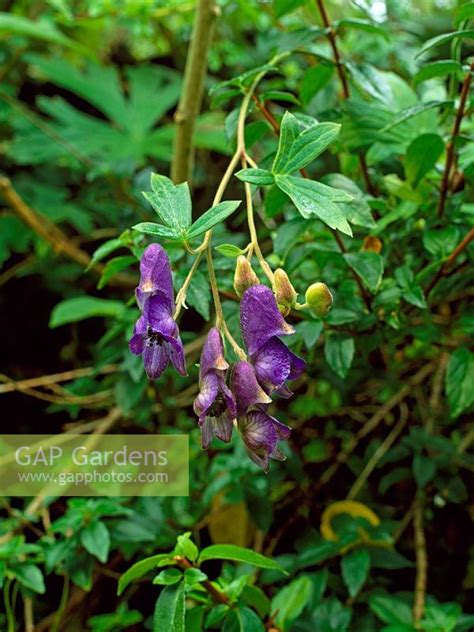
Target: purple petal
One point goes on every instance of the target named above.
(155, 273)
(136, 344)
(155, 359)
(220, 427)
(176, 353)
(158, 316)
(260, 318)
(247, 391)
(208, 389)
(261, 433)
(212, 354)
(275, 363)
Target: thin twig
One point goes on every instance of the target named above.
(380, 452)
(193, 88)
(344, 83)
(450, 147)
(421, 561)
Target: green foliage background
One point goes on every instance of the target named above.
(381, 417)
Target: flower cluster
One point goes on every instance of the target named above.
(252, 382)
(156, 334)
(228, 397)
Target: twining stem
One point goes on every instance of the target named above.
(215, 593)
(344, 83)
(450, 149)
(28, 614)
(8, 606)
(192, 93)
(62, 606)
(421, 560)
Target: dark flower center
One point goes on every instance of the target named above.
(218, 406)
(154, 338)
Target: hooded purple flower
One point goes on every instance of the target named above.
(215, 404)
(260, 431)
(156, 335)
(262, 323)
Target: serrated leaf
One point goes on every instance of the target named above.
(460, 381)
(421, 156)
(357, 210)
(297, 148)
(79, 308)
(170, 609)
(158, 230)
(339, 352)
(434, 69)
(313, 199)
(95, 538)
(213, 216)
(369, 266)
(355, 568)
(255, 176)
(171, 202)
(238, 554)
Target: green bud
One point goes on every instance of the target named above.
(244, 276)
(285, 293)
(319, 299)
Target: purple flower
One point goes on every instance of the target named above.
(260, 431)
(156, 334)
(261, 323)
(215, 403)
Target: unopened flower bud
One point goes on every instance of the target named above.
(319, 299)
(244, 276)
(285, 293)
(372, 244)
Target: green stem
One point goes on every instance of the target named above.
(8, 607)
(193, 89)
(62, 605)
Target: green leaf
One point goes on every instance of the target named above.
(357, 210)
(255, 176)
(310, 330)
(434, 69)
(314, 80)
(339, 352)
(42, 29)
(361, 25)
(229, 250)
(168, 577)
(282, 7)
(113, 267)
(158, 230)
(139, 569)
(75, 309)
(290, 601)
(170, 609)
(172, 202)
(441, 617)
(95, 538)
(297, 148)
(411, 112)
(213, 216)
(355, 568)
(421, 156)
(238, 554)
(186, 547)
(106, 249)
(313, 199)
(390, 609)
(331, 616)
(242, 619)
(31, 577)
(369, 266)
(464, 12)
(460, 381)
(194, 576)
(439, 40)
(424, 469)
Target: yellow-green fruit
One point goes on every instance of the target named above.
(244, 276)
(319, 299)
(285, 293)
